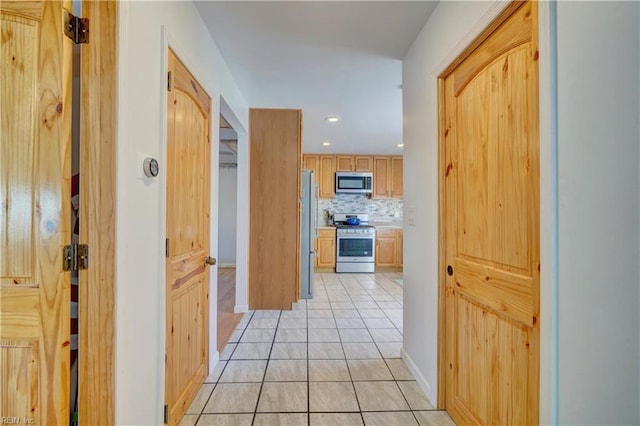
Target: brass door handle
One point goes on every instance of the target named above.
(210, 260)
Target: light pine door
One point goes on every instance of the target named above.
(491, 231)
(187, 286)
(35, 207)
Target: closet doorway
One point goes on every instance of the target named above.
(227, 232)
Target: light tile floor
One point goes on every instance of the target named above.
(332, 360)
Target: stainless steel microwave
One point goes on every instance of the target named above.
(354, 182)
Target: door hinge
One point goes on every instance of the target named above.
(166, 248)
(166, 414)
(76, 257)
(169, 81)
(76, 28)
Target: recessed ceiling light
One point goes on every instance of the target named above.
(332, 119)
(326, 143)
(400, 145)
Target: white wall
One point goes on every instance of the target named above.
(599, 259)
(140, 214)
(447, 26)
(227, 205)
(598, 212)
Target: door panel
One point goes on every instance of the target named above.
(491, 203)
(188, 182)
(35, 186)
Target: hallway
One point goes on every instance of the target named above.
(332, 360)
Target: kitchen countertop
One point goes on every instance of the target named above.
(385, 225)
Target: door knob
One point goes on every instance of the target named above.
(210, 260)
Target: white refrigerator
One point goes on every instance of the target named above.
(308, 232)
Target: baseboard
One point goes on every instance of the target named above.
(239, 309)
(422, 382)
(214, 359)
(226, 265)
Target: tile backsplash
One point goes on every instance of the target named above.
(378, 209)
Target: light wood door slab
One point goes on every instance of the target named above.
(187, 286)
(491, 231)
(35, 207)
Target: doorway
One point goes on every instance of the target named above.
(187, 232)
(489, 244)
(227, 232)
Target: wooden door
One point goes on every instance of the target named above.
(491, 216)
(35, 212)
(187, 285)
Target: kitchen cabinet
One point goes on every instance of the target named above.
(387, 177)
(396, 177)
(389, 248)
(344, 163)
(354, 163)
(381, 166)
(327, 176)
(311, 162)
(324, 167)
(387, 172)
(326, 248)
(275, 151)
(362, 163)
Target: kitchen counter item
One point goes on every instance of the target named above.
(354, 221)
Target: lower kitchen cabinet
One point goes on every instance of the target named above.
(389, 248)
(326, 248)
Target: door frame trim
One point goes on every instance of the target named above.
(547, 63)
(98, 104)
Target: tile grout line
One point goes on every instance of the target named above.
(372, 289)
(266, 368)
(215, 385)
(353, 386)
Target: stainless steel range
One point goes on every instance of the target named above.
(356, 241)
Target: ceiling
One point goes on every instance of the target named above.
(324, 57)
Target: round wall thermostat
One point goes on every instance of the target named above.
(150, 167)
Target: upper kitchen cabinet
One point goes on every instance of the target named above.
(344, 163)
(362, 163)
(311, 162)
(354, 163)
(274, 149)
(387, 172)
(324, 167)
(327, 176)
(387, 177)
(396, 177)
